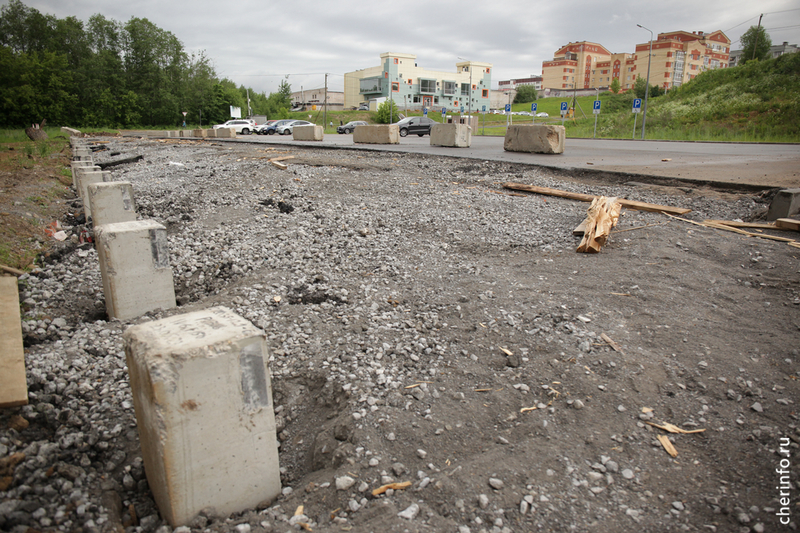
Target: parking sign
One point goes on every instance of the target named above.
(508, 108)
(596, 107)
(444, 111)
(564, 108)
(637, 105)
(425, 111)
(534, 107)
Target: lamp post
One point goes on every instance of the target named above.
(469, 104)
(647, 88)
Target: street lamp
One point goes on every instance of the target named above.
(647, 88)
(469, 104)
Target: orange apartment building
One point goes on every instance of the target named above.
(677, 57)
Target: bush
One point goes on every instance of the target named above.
(525, 94)
(385, 113)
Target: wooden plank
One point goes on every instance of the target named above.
(13, 384)
(284, 158)
(735, 224)
(282, 166)
(629, 204)
(601, 217)
(11, 270)
(788, 223)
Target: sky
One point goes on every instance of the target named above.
(258, 43)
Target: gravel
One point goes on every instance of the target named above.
(386, 287)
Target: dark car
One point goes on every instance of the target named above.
(350, 126)
(419, 125)
(261, 129)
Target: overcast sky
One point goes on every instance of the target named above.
(257, 43)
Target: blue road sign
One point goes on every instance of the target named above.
(425, 111)
(462, 108)
(596, 107)
(564, 108)
(534, 107)
(444, 111)
(483, 109)
(508, 108)
(637, 105)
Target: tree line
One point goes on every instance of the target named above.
(104, 73)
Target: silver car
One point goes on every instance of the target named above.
(287, 128)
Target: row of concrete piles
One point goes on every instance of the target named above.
(200, 381)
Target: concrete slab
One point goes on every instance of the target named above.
(785, 204)
(377, 134)
(456, 135)
(203, 400)
(111, 202)
(535, 138)
(226, 133)
(78, 167)
(308, 133)
(13, 384)
(86, 178)
(134, 265)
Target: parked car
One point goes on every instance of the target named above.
(542, 114)
(270, 130)
(262, 128)
(363, 107)
(419, 125)
(241, 125)
(286, 129)
(350, 126)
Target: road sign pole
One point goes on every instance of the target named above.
(634, 126)
(594, 135)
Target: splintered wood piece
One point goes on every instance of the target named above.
(282, 166)
(675, 429)
(628, 204)
(283, 158)
(394, 486)
(602, 215)
(614, 345)
(665, 442)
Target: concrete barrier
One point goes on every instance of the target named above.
(457, 135)
(377, 134)
(540, 139)
(111, 202)
(84, 180)
(200, 133)
(308, 133)
(81, 166)
(785, 204)
(13, 384)
(226, 133)
(134, 265)
(204, 410)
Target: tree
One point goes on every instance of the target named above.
(639, 87)
(615, 86)
(755, 44)
(525, 94)
(386, 111)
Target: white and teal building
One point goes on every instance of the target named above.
(398, 77)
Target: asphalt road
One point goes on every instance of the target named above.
(736, 164)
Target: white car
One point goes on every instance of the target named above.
(542, 114)
(286, 129)
(241, 125)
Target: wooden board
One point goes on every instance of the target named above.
(13, 384)
(629, 204)
(734, 224)
(788, 223)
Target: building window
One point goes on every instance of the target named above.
(395, 60)
(464, 89)
(449, 87)
(395, 86)
(427, 86)
(409, 81)
(485, 93)
(488, 71)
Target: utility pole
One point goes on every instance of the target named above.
(758, 31)
(325, 105)
(647, 85)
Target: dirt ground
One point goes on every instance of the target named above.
(515, 412)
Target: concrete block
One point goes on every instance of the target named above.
(457, 135)
(203, 400)
(84, 180)
(308, 133)
(377, 134)
(111, 202)
(185, 133)
(13, 384)
(785, 204)
(200, 133)
(212, 133)
(226, 133)
(81, 150)
(536, 138)
(134, 265)
(78, 169)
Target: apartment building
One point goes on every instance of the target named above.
(512, 85)
(677, 57)
(400, 78)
